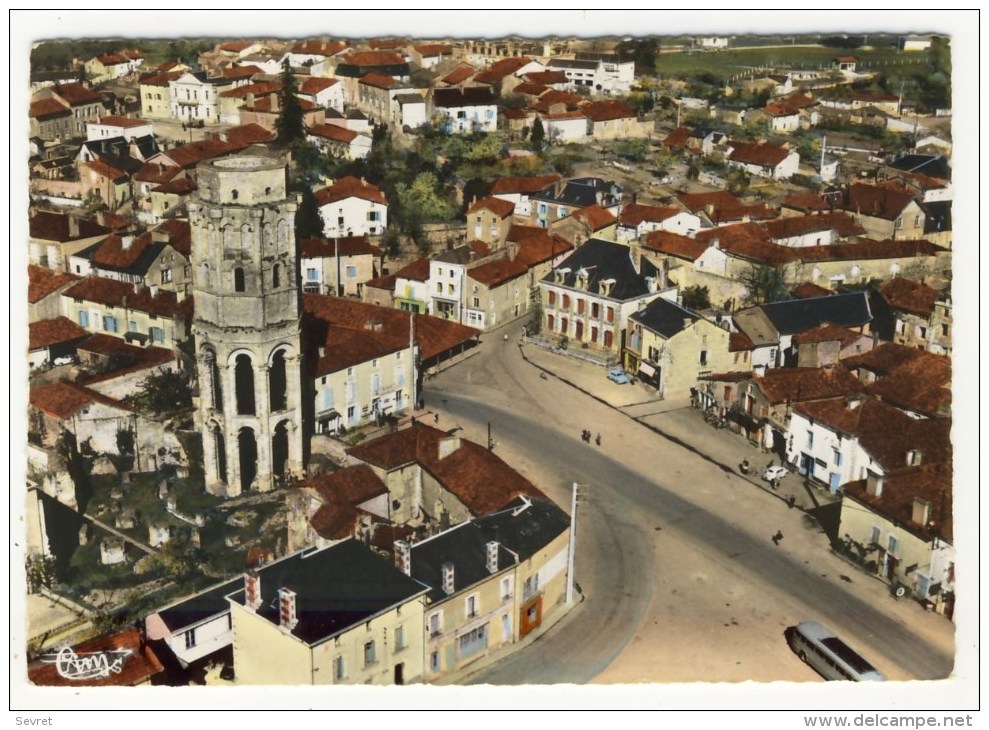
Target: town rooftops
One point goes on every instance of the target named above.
(453, 98)
(673, 244)
(838, 221)
(665, 318)
(808, 290)
(434, 49)
(580, 192)
(522, 185)
(536, 245)
(48, 109)
(460, 74)
(316, 84)
(762, 154)
(931, 483)
(318, 47)
(677, 139)
(595, 217)
(606, 110)
(63, 227)
(909, 296)
(873, 200)
(76, 94)
(782, 385)
(498, 206)
(502, 68)
(828, 333)
(417, 270)
(869, 249)
(547, 78)
(126, 358)
(910, 379)
(521, 529)
(474, 474)
(495, 273)
(343, 491)
(41, 282)
(350, 187)
(114, 293)
(800, 315)
(47, 332)
(63, 399)
(604, 260)
(379, 81)
(335, 588)
(126, 122)
(126, 253)
(635, 213)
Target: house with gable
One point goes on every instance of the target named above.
(562, 198)
(669, 346)
(771, 327)
(91, 417)
(518, 190)
(885, 211)
(84, 104)
(497, 291)
(340, 142)
(915, 315)
(914, 380)
(54, 237)
(489, 220)
(901, 524)
(465, 110)
(448, 279)
(763, 159)
(305, 620)
(194, 98)
(338, 266)
(44, 290)
(589, 297)
(638, 219)
(145, 260)
(352, 207)
(493, 580)
(323, 92)
(613, 119)
(827, 344)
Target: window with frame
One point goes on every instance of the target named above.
(400, 642)
(506, 588)
(157, 334)
(874, 535)
(435, 623)
(166, 276)
(190, 638)
(471, 606)
(810, 439)
(339, 668)
(351, 272)
(434, 662)
(370, 653)
(892, 545)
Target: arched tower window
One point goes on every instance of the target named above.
(276, 276)
(277, 382)
(244, 385)
(220, 450)
(239, 280)
(247, 445)
(279, 449)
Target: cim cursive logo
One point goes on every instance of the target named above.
(95, 665)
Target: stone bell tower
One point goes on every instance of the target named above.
(247, 325)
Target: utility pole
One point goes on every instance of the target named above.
(577, 497)
(491, 443)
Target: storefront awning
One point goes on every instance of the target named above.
(646, 368)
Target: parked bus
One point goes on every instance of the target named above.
(829, 655)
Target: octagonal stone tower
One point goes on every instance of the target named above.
(247, 323)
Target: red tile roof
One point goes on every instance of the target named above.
(674, 244)
(47, 108)
(161, 79)
(53, 331)
(346, 346)
(46, 226)
(873, 97)
(434, 49)
(316, 84)
(76, 94)
(868, 249)
(911, 379)
(530, 88)
(876, 201)
(780, 109)
(460, 74)
(132, 662)
(350, 187)
(111, 59)
(891, 445)
(41, 282)
(129, 358)
(502, 68)
(809, 290)
(855, 417)
(179, 235)
(258, 89)
(118, 121)
(113, 293)
(318, 47)
(374, 58)
(570, 101)
(498, 206)
(698, 202)
(378, 43)
(522, 185)
(475, 475)
(839, 222)
(546, 77)
(496, 273)
(748, 241)
(111, 253)
(245, 135)
(931, 483)
(806, 384)
(635, 213)
(342, 491)
(268, 104)
(179, 186)
(433, 335)
(106, 170)
(378, 81)
(536, 245)
(607, 110)
(739, 342)
(240, 72)
(347, 246)
(762, 154)
(234, 46)
(828, 333)
(909, 296)
(418, 270)
(677, 138)
(157, 173)
(596, 217)
(563, 116)
(63, 399)
(808, 202)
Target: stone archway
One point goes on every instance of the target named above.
(279, 449)
(247, 448)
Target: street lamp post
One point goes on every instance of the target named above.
(575, 499)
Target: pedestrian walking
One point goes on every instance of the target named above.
(597, 440)
(777, 538)
(790, 501)
(436, 418)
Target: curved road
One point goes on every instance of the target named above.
(679, 578)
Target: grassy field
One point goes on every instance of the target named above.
(728, 63)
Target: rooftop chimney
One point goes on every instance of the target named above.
(286, 609)
(492, 556)
(126, 242)
(448, 446)
(687, 321)
(252, 591)
(853, 401)
(275, 102)
(651, 284)
(403, 556)
(921, 511)
(874, 484)
(73, 226)
(448, 584)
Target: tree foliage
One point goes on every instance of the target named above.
(537, 138)
(308, 224)
(165, 393)
(290, 126)
(765, 284)
(696, 297)
(425, 197)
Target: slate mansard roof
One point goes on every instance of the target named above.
(603, 260)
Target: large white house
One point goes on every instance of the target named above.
(466, 109)
(193, 98)
(352, 207)
(764, 160)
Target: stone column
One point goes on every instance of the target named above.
(233, 488)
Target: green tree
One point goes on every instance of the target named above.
(696, 297)
(738, 181)
(308, 224)
(765, 284)
(289, 126)
(165, 393)
(425, 198)
(538, 136)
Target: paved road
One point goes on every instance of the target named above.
(681, 581)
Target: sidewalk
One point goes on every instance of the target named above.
(677, 421)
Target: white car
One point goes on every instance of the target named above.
(773, 473)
